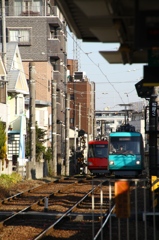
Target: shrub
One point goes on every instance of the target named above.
(7, 181)
(3, 148)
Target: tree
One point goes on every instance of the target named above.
(48, 154)
(40, 140)
(3, 138)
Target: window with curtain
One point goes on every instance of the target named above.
(27, 7)
(17, 7)
(22, 36)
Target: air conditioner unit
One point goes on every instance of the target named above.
(79, 75)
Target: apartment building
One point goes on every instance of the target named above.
(40, 31)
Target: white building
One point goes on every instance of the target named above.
(108, 121)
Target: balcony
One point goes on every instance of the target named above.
(57, 76)
(54, 47)
(27, 9)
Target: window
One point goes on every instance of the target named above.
(71, 120)
(28, 7)
(2, 85)
(72, 97)
(19, 105)
(55, 64)
(98, 151)
(22, 36)
(119, 122)
(53, 32)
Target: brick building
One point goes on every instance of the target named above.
(82, 99)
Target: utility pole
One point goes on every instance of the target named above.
(67, 117)
(88, 110)
(4, 59)
(102, 128)
(32, 113)
(79, 116)
(54, 129)
(126, 111)
(3, 34)
(94, 127)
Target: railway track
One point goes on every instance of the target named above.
(47, 209)
(75, 208)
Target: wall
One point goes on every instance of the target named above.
(5, 168)
(40, 170)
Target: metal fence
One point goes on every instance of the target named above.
(135, 215)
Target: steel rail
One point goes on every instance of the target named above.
(50, 228)
(17, 195)
(108, 215)
(33, 204)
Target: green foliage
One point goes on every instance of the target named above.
(48, 154)
(41, 151)
(9, 180)
(3, 148)
(27, 141)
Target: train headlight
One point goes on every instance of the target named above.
(111, 163)
(137, 162)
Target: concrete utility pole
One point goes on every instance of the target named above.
(67, 117)
(79, 116)
(4, 59)
(126, 111)
(3, 33)
(54, 130)
(102, 128)
(94, 127)
(32, 113)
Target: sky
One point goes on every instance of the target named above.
(114, 83)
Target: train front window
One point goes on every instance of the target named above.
(127, 146)
(98, 150)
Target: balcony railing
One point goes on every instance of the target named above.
(30, 10)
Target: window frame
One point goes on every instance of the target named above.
(28, 29)
(28, 7)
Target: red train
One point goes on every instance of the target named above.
(97, 158)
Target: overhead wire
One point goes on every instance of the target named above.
(97, 65)
(108, 81)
